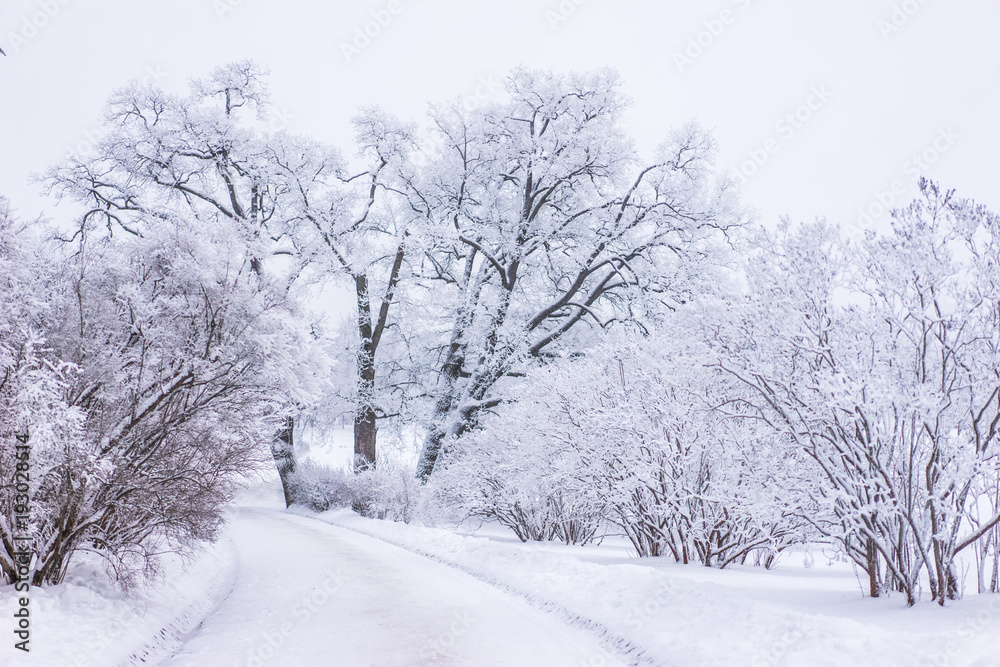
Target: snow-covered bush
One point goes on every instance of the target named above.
(321, 488)
(507, 471)
(151, 378)
(878, 358)
(628, 436)
(386, 492)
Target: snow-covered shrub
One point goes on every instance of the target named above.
(628, 435)
(507, 472)
(878, 358)
(387, 492)
(321, 488)
(151, 378)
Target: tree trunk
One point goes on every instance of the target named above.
(435, 439)
(871, 559)
(447, 401)
(283, 450)
(364, 413)
(364, 439)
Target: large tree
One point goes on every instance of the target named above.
(210, 155)
(543, 225)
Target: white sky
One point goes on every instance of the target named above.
(891, 94)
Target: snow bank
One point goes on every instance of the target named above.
(657, 613)
(85, 622)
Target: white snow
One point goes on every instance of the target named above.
(314, 594)
(660, 613)
(288, 588)
(84, 622)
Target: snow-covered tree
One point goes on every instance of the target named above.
(151, 378)
(632, 435)
(879, 359)
(211, 155)
(540, 226)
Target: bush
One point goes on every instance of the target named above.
(388, 492)
(528, 487)
(627, 437)
(321, 488)
(149, 374)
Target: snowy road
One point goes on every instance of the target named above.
(307, 593)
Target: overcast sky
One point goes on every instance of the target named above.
(820, 105)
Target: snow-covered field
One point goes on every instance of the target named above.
(317, 590)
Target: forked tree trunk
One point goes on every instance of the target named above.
(370, 333)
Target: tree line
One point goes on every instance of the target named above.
(588, 340)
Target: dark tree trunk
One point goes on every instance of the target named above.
(283, 450)
(365, 434)
(874, 580)
(365, 415)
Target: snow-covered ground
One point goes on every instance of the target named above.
(298, 589)
(84, 622)
(658, 613)
(313, 594)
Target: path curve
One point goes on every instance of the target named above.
(308, 593)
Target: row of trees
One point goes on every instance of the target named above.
(530, 224)
(843, 390)
(167, 336)
(587, 339)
